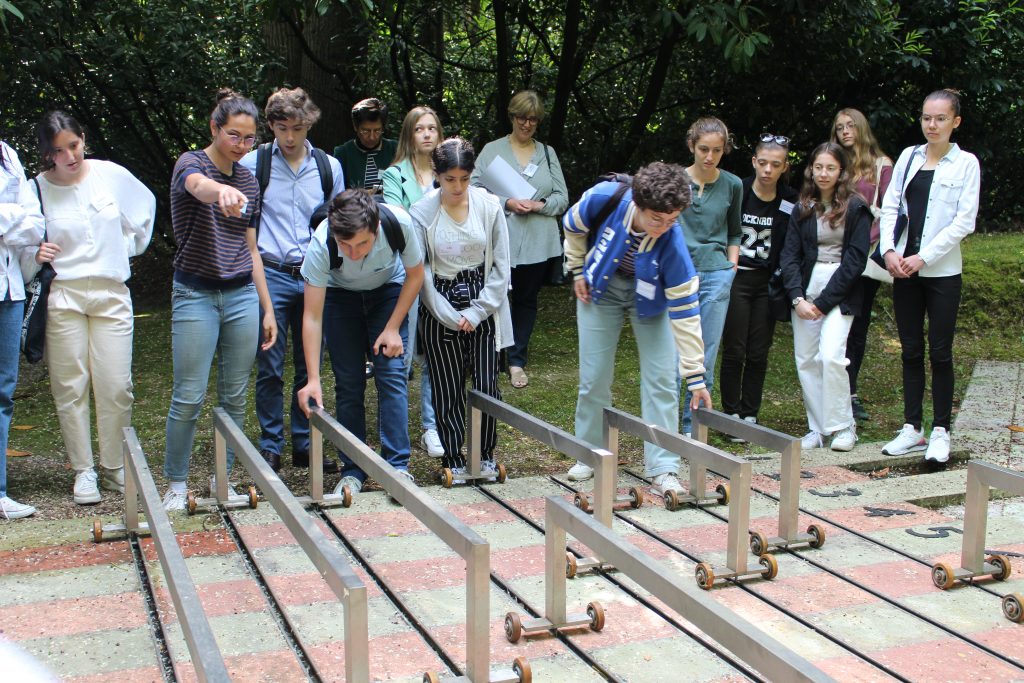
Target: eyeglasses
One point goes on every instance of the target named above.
(523, 120)
(840, 127)
(940, 119)
(235, 138)
(777, 139)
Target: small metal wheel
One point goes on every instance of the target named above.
(581, 501)
(513, 627)
(502, 473)
(254, 499)
(723, 491)
(1013, 607)
(97, 530)
(705, 575)
(771, 566)
(1003, 563)
(570, 565)
(672, 502)
(521, 668)
(636, 497)
(191, 504)
(596, 614)
(818, 532)
(943, 576)
(346, 497)
(430, 677)
(758, 543)
(447, 478)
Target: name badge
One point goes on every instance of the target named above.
(645, 289)
(786, 207)
(530, 170)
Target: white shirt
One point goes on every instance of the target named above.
(952, 208)
(99, 222)
(457, 246)
(21, 223)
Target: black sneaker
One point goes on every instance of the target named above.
(273, 459)
(369, 370)
(859, 413)
(301, 459)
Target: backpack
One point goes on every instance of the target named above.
(625, 182)
(392, 232)
(323, 165)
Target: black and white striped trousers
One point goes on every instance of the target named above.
(451, 355)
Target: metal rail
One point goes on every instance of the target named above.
(789, 493)
(700, 458)
(328, 560)
(750, 644)
(458, 536)
(138, 485)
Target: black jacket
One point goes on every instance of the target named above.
(800, 253)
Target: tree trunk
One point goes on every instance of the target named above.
(567, 74)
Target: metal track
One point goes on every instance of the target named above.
(156, 628)
(853, 582)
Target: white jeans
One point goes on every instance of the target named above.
(89, 328)
(819, 347)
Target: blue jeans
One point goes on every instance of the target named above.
(287, 294)
(600, 324)
(204, 323)
(11, 313)
(427, 415)
(715, 286)
(352, 322)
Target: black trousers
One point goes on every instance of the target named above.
(939, 299)
(526, 283)
(857, 341)
(451, 356)
(746, 340)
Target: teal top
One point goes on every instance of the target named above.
(712, 222)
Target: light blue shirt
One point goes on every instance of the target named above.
(290, 199)
(379, 267)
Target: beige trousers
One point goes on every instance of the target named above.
(89, 343)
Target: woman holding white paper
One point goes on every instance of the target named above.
(532, 221)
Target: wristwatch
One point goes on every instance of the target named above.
(797, 301)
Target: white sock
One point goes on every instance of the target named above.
(177, 486)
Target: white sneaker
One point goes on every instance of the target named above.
(751, 420)
(812, 439)
(175, 500)
(667, 482)
(213, 488)
(580, 472)
(112, 480)
(408, 475)
(354, 485)
(938, 446)
(431, 443)
(488, 468)
(845, 439)
(907, 441)
(12, 509)
(86, 492)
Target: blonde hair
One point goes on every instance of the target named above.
(406, 138)
(526, 103)
(866, 151)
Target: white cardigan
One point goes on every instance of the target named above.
(21, 224)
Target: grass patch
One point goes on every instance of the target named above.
(989, 328)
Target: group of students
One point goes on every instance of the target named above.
(392, 250)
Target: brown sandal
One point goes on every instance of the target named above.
(518, 377)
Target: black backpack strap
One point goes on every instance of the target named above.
(332, 251)
(606, 211)
(323, 165)
(39, 193)
(392, 233)
(263, 157)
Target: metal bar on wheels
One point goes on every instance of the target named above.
(982, 476)
(202, 645)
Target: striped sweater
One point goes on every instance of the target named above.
(665, 276)
(212, 252)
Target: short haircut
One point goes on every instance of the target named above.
(662, 187)
(526, 103)
(453, 153)
(230, 103)
(709, 125)
(351, 212)
(370, 109)
(52, 123)
(291, 103)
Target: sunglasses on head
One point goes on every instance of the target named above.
(777, 139)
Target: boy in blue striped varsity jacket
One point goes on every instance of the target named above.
(626, 251)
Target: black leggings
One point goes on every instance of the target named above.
(912, 299)
(746, 340)
(857, 341)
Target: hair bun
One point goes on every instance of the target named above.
(953, 91)
(225, 94)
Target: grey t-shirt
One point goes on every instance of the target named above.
(830, 241)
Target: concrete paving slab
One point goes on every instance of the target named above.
(94, 652)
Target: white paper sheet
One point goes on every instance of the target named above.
(505, 181)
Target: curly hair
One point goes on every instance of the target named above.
(662, 187)
(291, 103)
